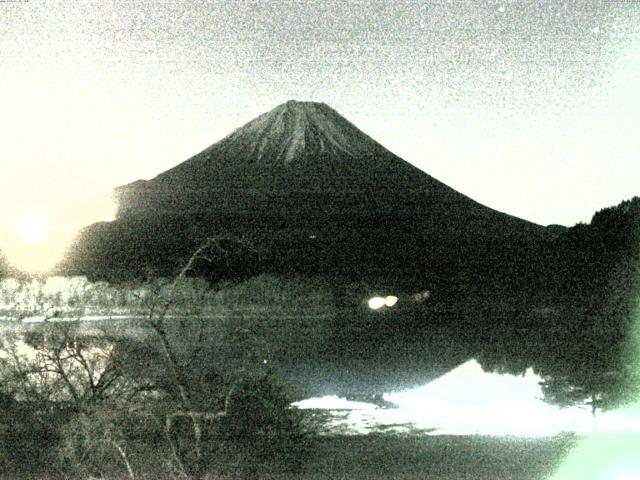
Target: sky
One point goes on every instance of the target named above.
(530, 107)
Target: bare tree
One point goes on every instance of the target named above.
(67, 375)
(56, 362)
(107, 381)
(157, 318)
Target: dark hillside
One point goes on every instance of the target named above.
(300, 192)
(583, 334)
(306, 192)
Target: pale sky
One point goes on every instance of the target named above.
(530, 107)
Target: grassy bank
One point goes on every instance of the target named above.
(409, 457)
(435, 457)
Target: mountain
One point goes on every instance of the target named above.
(308, 192)
(301, 193)
(301, 159)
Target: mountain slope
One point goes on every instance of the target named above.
(309, 192)
(309, 159)
(295, 151)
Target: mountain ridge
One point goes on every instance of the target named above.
(299, 148)
(312, 193)
(502, 290)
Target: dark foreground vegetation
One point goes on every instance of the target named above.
(370, 457)
(414, 457)
(581, 331)
(82, 403)
(77, 406)
(176, 395)
(561, 300)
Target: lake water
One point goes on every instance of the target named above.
(468, 401)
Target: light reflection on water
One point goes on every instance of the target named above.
(469, 401)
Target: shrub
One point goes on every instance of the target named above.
(261, 431)
(25, 433)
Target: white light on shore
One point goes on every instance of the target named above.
(376, 303)
(390, 300)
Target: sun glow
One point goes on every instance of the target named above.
(33, 244)
(36, 239)
(33, 229)
(35, 250)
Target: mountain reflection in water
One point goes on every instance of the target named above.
(468, 401)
